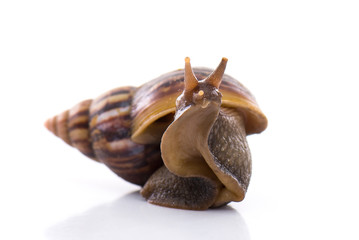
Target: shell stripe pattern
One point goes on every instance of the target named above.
(110, 131)
(72, 126)
(101, 130)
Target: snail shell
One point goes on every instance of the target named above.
(195, 121)
(101, 130)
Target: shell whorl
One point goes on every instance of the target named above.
(101, 129)
(110, 130)
(72, 126)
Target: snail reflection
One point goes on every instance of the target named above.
(181, 136)
(130, 217)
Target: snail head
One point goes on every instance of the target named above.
(202, 92)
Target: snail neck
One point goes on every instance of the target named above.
(185, 140)
(202, 139)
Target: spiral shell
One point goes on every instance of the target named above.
(72, 126)
(101, 129)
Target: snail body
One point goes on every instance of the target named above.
(182, 136)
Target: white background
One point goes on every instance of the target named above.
(299, 58)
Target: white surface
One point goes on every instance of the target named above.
(299, 58)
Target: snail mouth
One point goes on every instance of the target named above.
(205, 104)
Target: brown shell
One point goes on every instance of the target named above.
(154, 104)
(101, 129)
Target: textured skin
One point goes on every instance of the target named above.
(169, 190)
(228, 144)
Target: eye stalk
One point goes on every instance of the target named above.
(215, 78)
(190, 80)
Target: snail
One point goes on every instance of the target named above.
(181, 136)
